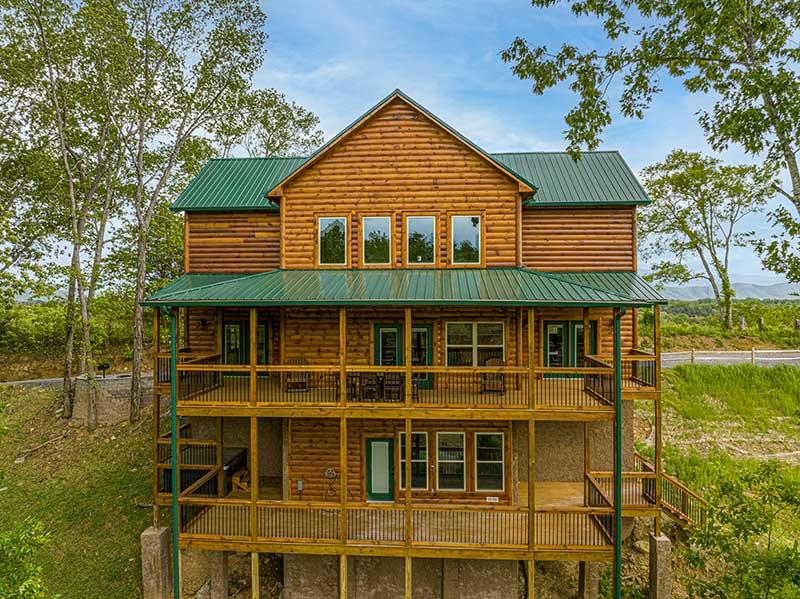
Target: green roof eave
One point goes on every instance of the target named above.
(397, 287)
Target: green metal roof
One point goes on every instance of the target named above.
(596, 178)
(456, 286)
(229, 184)
(621, 283)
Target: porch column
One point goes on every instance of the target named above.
(221, 473)
(407, 356)
(407, 469)
(343, 479)
(343, 356)
(587, 339)
(658, 448)
(173, 334)
(253, 355)
(531, 451)
(343, 576)
(254, 468)
(255, 576)
(618, 313)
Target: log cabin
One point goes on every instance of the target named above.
(403, 356)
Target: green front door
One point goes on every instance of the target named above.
(236, 342)
(380, 469)
(422, 353)
(388, 344)
(563, 343)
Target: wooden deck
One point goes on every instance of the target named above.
(441, 391)
(562, 524)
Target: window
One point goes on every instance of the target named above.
(465, 234)
(332, 246)
(473, 343)
(419, 461)
(420, 239)
(450, 461)
(376, 239)
(489, 462)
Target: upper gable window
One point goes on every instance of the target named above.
(420, 239)
(332, 240)
(465, 239)
(376, 240)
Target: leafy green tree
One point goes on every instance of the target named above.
(20, 575)
(697, 212)
(743, 53)
(747, 550)
(265, 123)
(187, 63)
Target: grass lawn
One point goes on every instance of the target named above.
(762, 399)
(85, 487)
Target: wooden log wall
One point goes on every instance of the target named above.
(313, 333)
(232, 242)
(314, 447)
(579, 239)
(399, 163)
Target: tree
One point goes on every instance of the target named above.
(69, 68)
(20, 575)
(188, 62)
(697, 212)
(747, 538)
(265, 123)
(744, 53)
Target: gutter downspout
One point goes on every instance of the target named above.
(176, 574)
(618, 314)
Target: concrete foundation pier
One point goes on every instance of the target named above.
(218, 562)
(156, 579)
(660, 567)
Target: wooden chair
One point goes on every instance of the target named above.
(394, 387)
(296, 381)
(493, 382)
(369, 387)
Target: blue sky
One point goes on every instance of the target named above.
(338, 58)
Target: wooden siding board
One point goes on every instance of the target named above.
(363, 173)
(236, 242)
(579, 239)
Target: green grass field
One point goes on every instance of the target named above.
(761, 398)
(84, 487)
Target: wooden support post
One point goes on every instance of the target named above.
(407, 585)
(531, 485)
(186, 342)
(255, 577)
(253, 355)
(407, 469)
(587, 338)
(520, 337)
(531, 358)
(407, 356)
(220, 330)
(221, 473)
(343, 355)
(531, 582)
(254, 468)
(343, 577)
(343, 479)
(586, 463)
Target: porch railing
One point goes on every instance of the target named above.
(204, 381)
(445, 526)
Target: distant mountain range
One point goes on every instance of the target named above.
(778, 291)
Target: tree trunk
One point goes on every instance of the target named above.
(138, 325)
(88, 358)
(69, 390)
